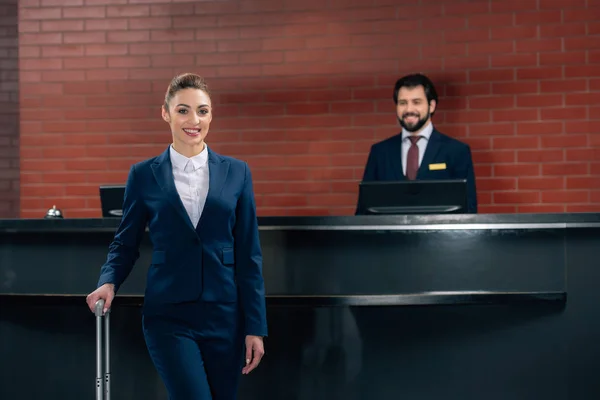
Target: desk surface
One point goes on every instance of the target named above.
(367, 222)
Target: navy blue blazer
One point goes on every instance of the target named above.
(219, 260)
(385, 163)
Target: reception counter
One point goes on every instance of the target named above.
(369, 307)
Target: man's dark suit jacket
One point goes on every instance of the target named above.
(385, 163)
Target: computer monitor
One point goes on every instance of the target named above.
(111, 200)
(413, 197)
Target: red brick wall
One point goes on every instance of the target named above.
(303, 88)
(9, 110)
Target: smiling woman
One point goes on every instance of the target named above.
(204, 300)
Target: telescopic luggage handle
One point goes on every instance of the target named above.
(102, 352)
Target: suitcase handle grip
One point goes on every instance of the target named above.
(102, 351)
(99, 308)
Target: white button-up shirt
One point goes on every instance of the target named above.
(191, 180)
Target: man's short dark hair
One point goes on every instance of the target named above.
(414, 80)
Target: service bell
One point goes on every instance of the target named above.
(54, 213)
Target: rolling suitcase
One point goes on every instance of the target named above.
(102, 352)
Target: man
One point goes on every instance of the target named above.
(420, 152)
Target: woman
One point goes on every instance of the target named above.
(204, 297)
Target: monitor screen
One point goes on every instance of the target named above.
(412, 197)
(111, 200)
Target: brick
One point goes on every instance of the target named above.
(29, 26)
(562, 4)
(174, 35)
(540, 128)
(106, 74)
(583, 154)
(128, 37)
(491, 75)
(589, 127)
(514, 60)
(565, 169)
(514, 87)
(216, 33)
(62, 26)
(41, 64)
(539, 73)
(582, 99)
(156, 23)
(490, 20)
(84, 13)
(562, 197)
(540, 156)
(580, 182)
(540, 46)
(560, 31)
(307, 109)
(487, 48)
(540, 100)
(466, 35)
(106, 25)
(563, 85)
(85, 63)
(483, 171)
(514, 32)
(128, 11)
(84, 37)
(40, 38)
(491, 102)
(589, 14)
(542, 183)
(582, 71)
(40, 13)
(452, 50)
(261, 58)
(581, 43)
(563, 58)
(150, 48)
(564, 113)
(493, 157)
(105, 49)
(516, 170)
(354, 107)
(526, 142)
(513, 6)
(485, 184)
(324, 200)
(514, 115)
(538, 18)
(563, 141)
(520, 197)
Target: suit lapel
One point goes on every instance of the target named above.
(163, 173)
(396, 159)
(433, 147)
(218, 169)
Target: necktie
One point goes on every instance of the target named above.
(412, 159)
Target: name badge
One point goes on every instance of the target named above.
(437, 167)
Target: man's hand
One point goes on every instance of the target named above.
(255, 350)
(105, 292)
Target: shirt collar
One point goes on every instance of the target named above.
(180, 161)
(426, 132)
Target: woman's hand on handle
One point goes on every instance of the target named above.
(105, 292)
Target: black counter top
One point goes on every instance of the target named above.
(458, 221)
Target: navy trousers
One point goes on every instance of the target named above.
(197, 349)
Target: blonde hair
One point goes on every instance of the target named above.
(185, 81)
